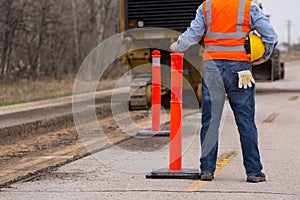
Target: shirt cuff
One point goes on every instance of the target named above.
(269, 50)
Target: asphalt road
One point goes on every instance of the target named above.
(119, 172)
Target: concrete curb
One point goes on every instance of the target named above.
(11, 134)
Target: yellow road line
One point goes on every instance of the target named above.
(293, 99)
(270, 119)
(222, 162)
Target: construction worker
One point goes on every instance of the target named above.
(228, 70)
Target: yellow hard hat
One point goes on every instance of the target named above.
(255, 47)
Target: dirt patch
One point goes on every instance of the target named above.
(30, 157)
(150, 144)
(53, 174)
(40, 143)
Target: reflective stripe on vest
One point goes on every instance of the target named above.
(227, 48)
(227, 41)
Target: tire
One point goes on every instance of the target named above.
(149, 95)
(276, 65)
(282, 71)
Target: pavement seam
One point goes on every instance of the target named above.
(267, 122)
(293, 99)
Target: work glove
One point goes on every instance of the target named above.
(245, 79)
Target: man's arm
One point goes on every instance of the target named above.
(192, 35)
(261, 24)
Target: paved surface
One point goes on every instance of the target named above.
(18, 114)
(119, 172)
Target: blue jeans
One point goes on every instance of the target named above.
(220, 78)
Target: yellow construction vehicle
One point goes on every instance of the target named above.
(149, 25)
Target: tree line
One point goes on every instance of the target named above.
(50, 38)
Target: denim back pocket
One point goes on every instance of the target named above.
(233, 69)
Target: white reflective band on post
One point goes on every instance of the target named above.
(156, 61)
(225, 48)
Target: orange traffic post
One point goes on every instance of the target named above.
(175, 170)
(156, 99)
(156, 91)
(176, 112)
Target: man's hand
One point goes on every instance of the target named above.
(245, 79)
(259, 61)
(173, 47)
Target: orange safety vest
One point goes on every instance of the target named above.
(227, 25)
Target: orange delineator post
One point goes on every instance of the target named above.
(175, 170)
(176, 112)
(156, 91)
(156, 100)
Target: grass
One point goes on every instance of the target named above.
(24, 91)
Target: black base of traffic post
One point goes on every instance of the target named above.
(153, 134)
(167, 174)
